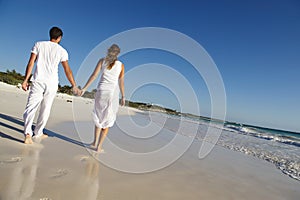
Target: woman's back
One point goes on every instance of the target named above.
(109, 77)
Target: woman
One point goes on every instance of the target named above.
(107, 95)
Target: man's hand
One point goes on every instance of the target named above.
(25, 85)
(76, 91)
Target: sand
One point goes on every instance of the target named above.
(61, 167)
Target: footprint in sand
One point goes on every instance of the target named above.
(60, 173)
(84, 158)
(81, 157)
(11, 160)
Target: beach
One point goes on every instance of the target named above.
(62, 167)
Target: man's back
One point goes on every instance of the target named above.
(49, 55)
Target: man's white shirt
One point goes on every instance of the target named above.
(49, 55)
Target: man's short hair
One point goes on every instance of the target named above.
(55, 32)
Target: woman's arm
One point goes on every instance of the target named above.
(121, 85)
(93, 76)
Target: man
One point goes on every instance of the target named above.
(47, 55)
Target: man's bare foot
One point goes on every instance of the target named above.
(39, 138)
(28, 139)
(42, 136)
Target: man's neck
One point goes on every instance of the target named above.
(55, 41)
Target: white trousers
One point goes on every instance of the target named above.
(41, 94)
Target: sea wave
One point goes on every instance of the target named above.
(282, 154)
(280, 148)
(255, 132)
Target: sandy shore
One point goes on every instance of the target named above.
(60, 167)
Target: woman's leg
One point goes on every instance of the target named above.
(96, 137)
(102, 137)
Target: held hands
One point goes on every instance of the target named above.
(76, 91)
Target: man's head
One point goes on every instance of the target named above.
(55, 34)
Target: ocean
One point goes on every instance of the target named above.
(282, 148)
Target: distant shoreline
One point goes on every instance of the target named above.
(15, 78)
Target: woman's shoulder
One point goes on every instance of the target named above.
(119, 62)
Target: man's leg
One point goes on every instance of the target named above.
(34, 99)
(49, 95)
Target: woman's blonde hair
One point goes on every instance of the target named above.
(112, 55)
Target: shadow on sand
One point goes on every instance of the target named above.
(21, 123)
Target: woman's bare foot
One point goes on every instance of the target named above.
(99, 150)
(93, 146)
(44, 136)
(28, 139)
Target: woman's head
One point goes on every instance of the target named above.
(112, 54)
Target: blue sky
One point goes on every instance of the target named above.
(255, 45)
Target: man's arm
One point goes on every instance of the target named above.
(69, 75)
(30, 65)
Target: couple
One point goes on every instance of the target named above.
(48, 55)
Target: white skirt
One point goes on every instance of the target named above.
(105, 108)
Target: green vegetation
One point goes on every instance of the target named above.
(11, 77)
(14, 78)
(65, 89)
(151, 107)
(90, 95)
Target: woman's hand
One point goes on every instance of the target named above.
(123, 101)
(81, 92)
